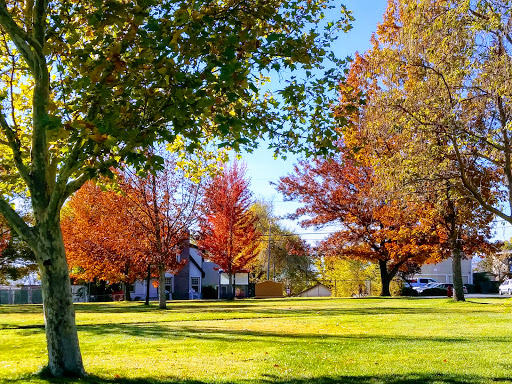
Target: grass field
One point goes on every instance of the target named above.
(318, 341)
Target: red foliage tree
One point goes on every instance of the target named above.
(118, 236)
(100, 238)
(165, 209)
(227, 230)
(389, 233)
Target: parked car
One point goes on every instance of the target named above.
(506, 287)
(443, 286)
(446, 285)
(421, 288)
(421, 281)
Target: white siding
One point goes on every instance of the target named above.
(316, 291)
(442, 271)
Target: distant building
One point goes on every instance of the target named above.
(443, 273)
(197, 279)
(269, 289)
(318, 290)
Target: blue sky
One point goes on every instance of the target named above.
(262, 168)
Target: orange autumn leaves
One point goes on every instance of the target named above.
(370, 228)
(228, 226)
(115, 235)
(100, 238)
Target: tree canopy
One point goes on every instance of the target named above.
(284, 255)
(390, 233)
(88, 85)
(423, 92)
(227, 227)
(436, 80)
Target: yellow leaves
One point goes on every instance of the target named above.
(203, 162)
(52, 107)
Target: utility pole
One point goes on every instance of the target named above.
(268, 254)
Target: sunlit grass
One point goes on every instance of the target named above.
(275, 341)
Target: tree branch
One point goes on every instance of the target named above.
(17, 223)
(23, 41)
(39, 21)
(15, 147)
(478, 197)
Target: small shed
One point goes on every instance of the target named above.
(268, 289)
(318, 290)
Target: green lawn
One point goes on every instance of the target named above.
(319, 341)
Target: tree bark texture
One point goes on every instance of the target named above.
(161, 287)
(64, 357)
(148, 281)
(385, 278)
(458, 287)
(451, 219)
(231, 288)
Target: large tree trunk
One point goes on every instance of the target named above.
(385, 278)
(231, 291)
(451, 219)
(126, 291)
(148, 281)
(161, 287)
(458, 287)
(64, 357)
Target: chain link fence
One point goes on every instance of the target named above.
(21, 295)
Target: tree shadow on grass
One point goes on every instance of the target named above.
(244, 310)
(412, 378)
(157, 329)
(181, 332)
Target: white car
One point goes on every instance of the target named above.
(440, 286)
(421, 282)
(506, 287)
(426, 286)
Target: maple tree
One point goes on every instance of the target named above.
(89, 84)
(227, 229)
(414, 124)
(388, 233)
(117, 236)
(100, 238)
(166, 207)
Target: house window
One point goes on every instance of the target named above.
(194, 284)
(168, 284)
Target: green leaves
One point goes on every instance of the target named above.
(127, 75)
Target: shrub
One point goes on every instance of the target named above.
(209, 292)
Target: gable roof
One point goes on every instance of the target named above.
(203, 273)
(317, 285)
